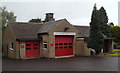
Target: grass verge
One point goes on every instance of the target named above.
(116, 49)
(116, 54)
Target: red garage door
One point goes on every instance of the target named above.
(32, 49)
(63, 45)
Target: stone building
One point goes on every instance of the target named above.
(51, 39)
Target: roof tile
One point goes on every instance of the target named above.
(29, 31)
(84, 31)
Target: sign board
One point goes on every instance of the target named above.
(80, 38)
(22, 46)
(64, 33)
(51, 44)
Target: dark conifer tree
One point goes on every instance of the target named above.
(95, 40)
(103, 19)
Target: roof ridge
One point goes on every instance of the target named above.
(49, 25)
(25, 23)
(61, 20)
(81, 26)
(34, 22)
(54, 21)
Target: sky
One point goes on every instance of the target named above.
(77, 12)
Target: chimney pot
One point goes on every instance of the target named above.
(49, 17)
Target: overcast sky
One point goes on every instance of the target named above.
(77, 12)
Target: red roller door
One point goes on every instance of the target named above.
(32, 49)
(63, 45)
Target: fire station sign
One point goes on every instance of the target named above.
(64, 33)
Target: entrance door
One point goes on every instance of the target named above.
(106, 48)
(32, 49)
(63, 45)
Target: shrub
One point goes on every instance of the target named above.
(117, 45)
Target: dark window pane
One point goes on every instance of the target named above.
(65, 46)
(56, 43)
(60, 47)
(45, 42)
(45, 45)
(56, 47)
(36, 44)
(28, 48)
(12, 45)
(60, 43)
(35, 47)
(70, 43)
(70, 46)
(65, 43)
(28, 44)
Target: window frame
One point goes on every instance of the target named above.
(45, 45)
(11, 46)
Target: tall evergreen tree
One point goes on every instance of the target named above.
(103, 19)
(95, 40)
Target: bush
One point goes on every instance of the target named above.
(117, 45)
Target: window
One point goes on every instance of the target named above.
(36, 44)
(60, 47)
(44, 45)
(11, 46)
(56, 47)
(65, 46)
(28, 48)
(35, 47)
(56, 43)
(65, 43)
(60, 43)
(70, 43)
(28, 44)
(70, 46)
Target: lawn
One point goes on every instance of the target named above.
(114, 54)
(116, 49)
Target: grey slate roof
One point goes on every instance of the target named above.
(29, 31)
(84, 31)
(25, 31)
(49, 25)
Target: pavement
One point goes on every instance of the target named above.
(64, 64)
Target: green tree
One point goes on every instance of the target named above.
(95, 40)
(36, 20)
(116, 35)
(103, 21)
(7, 17)
(0, 28)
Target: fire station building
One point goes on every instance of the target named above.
(51, 39)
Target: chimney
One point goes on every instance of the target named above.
(49, 17)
